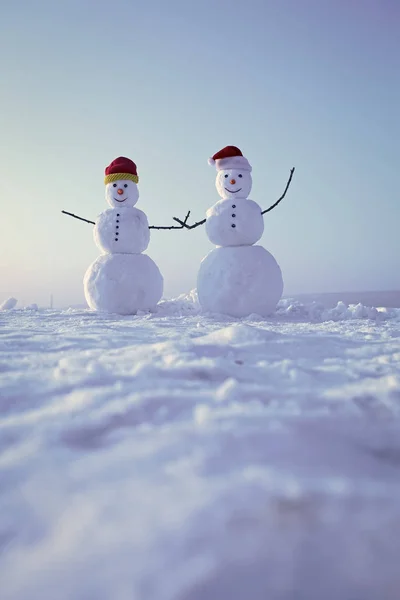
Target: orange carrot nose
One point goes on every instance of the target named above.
(120, 192)
(233, 181)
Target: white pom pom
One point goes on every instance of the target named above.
(211, 161)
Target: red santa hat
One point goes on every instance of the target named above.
(230, 157)
(121, 168)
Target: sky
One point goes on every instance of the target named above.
(310, 84)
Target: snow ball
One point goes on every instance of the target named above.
(237, 224)
(32, 307)
(129, 197)
(359, 311)
(233, 184)
(9, 304)
(133, 231)
(239, 280)
(123, 283)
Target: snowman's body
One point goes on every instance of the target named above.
(123, 283)
(122, 230)
(237, 222)
(239, 281)
(237, 278)
(122, 280)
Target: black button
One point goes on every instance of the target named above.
(233, 205)
(233, 225)
(233, 215)
(117, 233)
(117, 221)
(117, 227)
(116, 239)
(117, 214)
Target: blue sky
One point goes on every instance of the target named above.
(307, 83)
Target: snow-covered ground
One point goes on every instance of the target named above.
(180, 456)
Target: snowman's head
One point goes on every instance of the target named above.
(123, 192)
(233, 183)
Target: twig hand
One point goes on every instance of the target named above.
(182, 224)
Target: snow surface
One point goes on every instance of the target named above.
(185, 456)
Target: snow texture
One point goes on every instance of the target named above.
(32, 307)
(237, 222)
(122, 230)
(233, 183)
(9, 304)
(174, 456)
(123, 283)
(239, 281)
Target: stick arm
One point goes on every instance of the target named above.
(283, 195)
(182, 224)
(190, 226)
(76, 217)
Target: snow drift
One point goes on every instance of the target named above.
(188, 456)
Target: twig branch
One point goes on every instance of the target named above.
(283, 195)
(190, 226)
(182, 224)
(76, 217)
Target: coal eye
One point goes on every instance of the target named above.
(226, 176)
(125, 185)
(114, 185)
(240, 175)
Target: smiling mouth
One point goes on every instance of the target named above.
(233, 191)
(116, 199)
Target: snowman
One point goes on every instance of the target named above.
(122, 280)
(237, 278)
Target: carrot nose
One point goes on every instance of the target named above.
(120, 192)
(233, 181)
